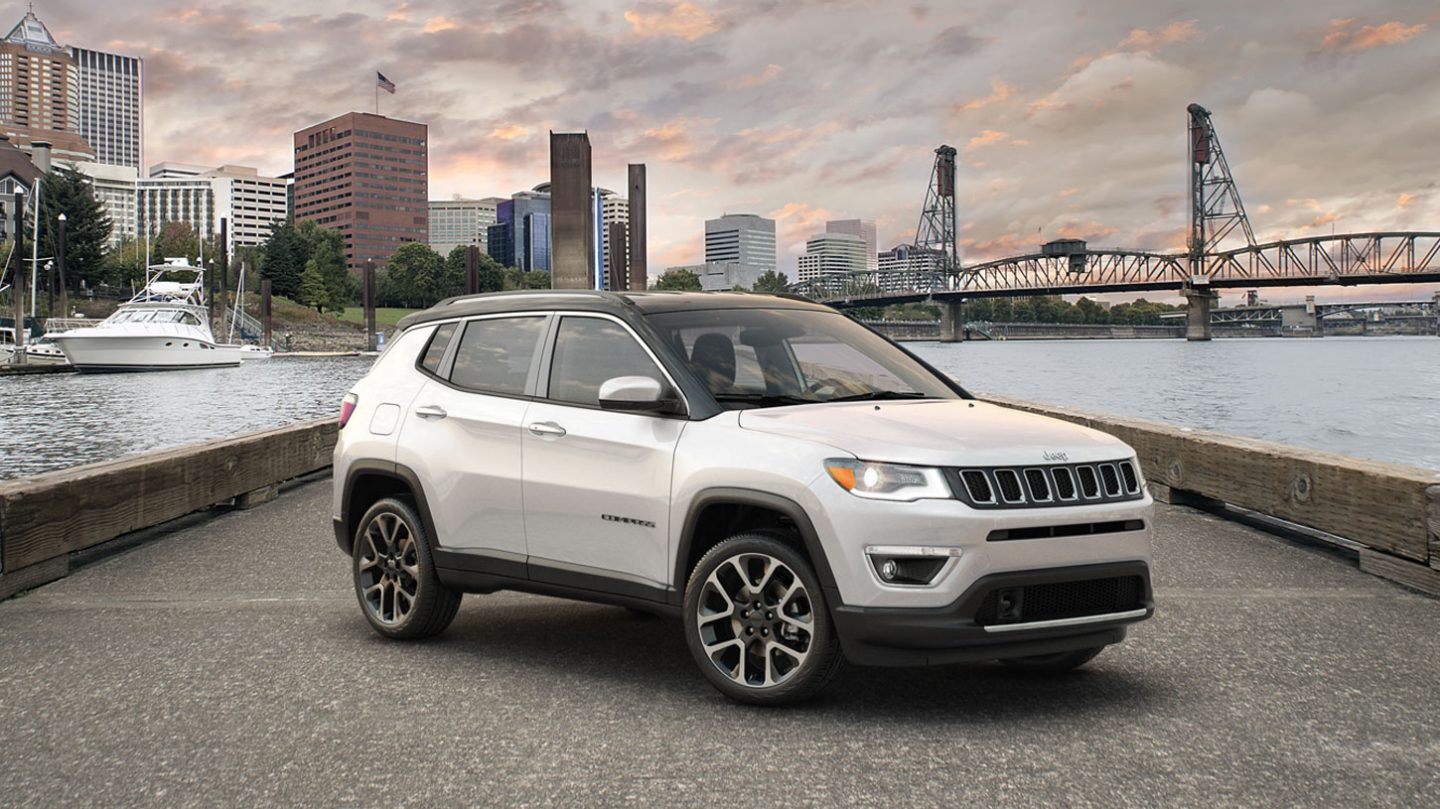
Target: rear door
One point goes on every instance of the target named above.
(462, 435)
(597, 482)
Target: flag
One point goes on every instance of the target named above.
(384, 83)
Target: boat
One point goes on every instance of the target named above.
(44, 351)
(165, 327)
(250, 353)
(7, 344)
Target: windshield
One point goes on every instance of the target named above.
(769, 357)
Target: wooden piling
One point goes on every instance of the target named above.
(265, 311)
(472, 270)
(368, 289)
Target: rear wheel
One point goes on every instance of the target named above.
(756, 622)
(395, 577)
(1054, 663)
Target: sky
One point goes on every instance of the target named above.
(1069, 117)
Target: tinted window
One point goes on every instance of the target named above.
(438, 344)
(495, 355)
(589, 351)
(765, 357)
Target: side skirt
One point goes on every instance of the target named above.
(490, 572)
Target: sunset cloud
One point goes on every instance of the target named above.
(1404, 200)
(677, 19)
(1345, 35)
(987, 137)
(1142, 40)
(999, 92)
(769, 74)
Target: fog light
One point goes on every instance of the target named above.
(912, 565)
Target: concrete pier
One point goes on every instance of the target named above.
(1201, 298)
(952, 322)
(1273, 674)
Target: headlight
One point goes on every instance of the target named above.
(886, 481)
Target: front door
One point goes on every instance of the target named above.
(597, 482)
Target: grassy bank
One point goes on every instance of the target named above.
(385, 317)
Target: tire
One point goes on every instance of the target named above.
(394, 574)
(786, 651)
(1056, 663)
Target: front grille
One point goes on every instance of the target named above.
(1069, 599)
(1037, 486)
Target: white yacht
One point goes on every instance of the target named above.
(44, 351)
(164, 327)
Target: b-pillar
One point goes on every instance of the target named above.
(1200, 298)
(952, 321)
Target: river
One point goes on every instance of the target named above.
(1372, 397)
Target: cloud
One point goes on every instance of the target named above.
(955, 41)
(769, 74)
(684, 20)
(999, 92)
(435, 24)
(1404, 200)
(1143, 40)
(1343, 35)
(510, 132)
(987, 137)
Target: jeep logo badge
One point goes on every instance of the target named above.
(1055, 456)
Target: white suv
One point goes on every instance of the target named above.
(791, 484)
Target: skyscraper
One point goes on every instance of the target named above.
(613, 209)
(366, 176)
(741, 238)
(865, 229)
(40, 92)
(520, 236)
(112, 106)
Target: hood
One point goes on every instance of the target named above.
(938, 433)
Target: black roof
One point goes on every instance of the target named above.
(540, 300)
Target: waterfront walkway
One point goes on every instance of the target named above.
(228, 664)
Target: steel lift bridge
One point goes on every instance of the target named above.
(1214, 259)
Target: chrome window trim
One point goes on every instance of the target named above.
(1128, 615)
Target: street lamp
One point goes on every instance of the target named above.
(60, 266)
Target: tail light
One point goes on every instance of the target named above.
(347, 408)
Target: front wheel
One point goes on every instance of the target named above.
(756, 622)
(395, 577)
(1054, 663)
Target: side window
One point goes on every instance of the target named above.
(494, 355)
(589, 351)
(436, 351)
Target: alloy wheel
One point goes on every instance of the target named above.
(755, 620)
(389, 569)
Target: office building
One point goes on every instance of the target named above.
(723, 276)
(520, 236)
(461, 222)
(612, 209)
(40, 92)
(741, 239)
(831, 259)
(865, 229)
(906, 266)
(115, 188)
(366, 176)
(112, 106)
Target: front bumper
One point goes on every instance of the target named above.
(896, 636)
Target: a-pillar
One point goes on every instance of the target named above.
(952, 322)
(1200, 299)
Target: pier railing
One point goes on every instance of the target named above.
(1388, 513)
(46, 518)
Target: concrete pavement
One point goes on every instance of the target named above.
(228, 664)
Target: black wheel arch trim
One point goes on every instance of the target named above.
(725, 495)
(385, 469)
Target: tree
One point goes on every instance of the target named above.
(415, 277)
(312, 288)
(87, 225)
(125, 265)
(327, 260)
(678, 279)
(285, 254)
(514, 278)
(492, 275)
(773, 282)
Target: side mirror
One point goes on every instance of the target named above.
(635, 394)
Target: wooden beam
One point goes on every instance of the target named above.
(50, 515)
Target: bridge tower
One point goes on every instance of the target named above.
(935, 239)
(1215, 212)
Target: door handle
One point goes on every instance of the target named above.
(546, 428)
(430, 411)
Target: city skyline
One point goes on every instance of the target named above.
(1072, 130)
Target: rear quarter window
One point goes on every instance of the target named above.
(435, 351)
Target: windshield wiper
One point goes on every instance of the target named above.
(764, 398)
(878, 395)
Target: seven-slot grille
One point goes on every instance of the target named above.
(1046, 484)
